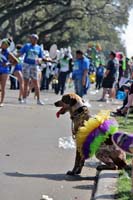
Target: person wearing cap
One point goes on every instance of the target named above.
(6, 59)
(80, 73)
(33, 55)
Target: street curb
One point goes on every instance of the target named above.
(106, 185)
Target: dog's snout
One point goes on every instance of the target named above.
(57, 103)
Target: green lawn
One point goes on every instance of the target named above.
(124, 181)
(126, 125)
(124, 186)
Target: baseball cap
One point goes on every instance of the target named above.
(34, 36)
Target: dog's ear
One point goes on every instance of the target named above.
(66, 99)
(72, 101)
(69, 99)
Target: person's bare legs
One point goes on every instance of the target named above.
(37, 88)
(19, 76)
(3, 81)
(26, 86)
(105, 90)
(112, 91)
(130, 101)
(36, 84)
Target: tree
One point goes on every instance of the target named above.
(65, 22)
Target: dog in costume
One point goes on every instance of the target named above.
(92, 135)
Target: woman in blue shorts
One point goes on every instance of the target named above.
(5, 58)
(18, 73)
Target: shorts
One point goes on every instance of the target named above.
(108, 83)
(4, 70)
(30, 71)
(18, 67)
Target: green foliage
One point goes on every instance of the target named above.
(66, 22)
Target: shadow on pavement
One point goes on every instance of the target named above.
(106, 196)
(84, 187)
(56, 177)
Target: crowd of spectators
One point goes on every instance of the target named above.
(31, 69)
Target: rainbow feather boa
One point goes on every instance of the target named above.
(94, 132)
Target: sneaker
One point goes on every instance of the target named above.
(39, 102)
(24, 100)
(20, 100)
(119, 110)
(102, 100)
(113, 114)
(1, 104)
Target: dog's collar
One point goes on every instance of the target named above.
(78, 111)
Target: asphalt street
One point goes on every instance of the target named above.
(31, 162)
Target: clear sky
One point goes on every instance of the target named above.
(128, 36)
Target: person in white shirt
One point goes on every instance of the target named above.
(64, 69)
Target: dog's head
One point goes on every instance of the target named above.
(69, 102)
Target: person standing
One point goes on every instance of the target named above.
(33, 55)
(121, 62)
(6, 59)
(17, 72)
(64, 66)
(99, 76)
(109, 77)
(80, 73)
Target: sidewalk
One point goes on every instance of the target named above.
(106, 186)
(33, 146)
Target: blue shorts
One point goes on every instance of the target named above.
(4, 70)
(18, 67)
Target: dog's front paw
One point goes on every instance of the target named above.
(74, 172)
(70, 173)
